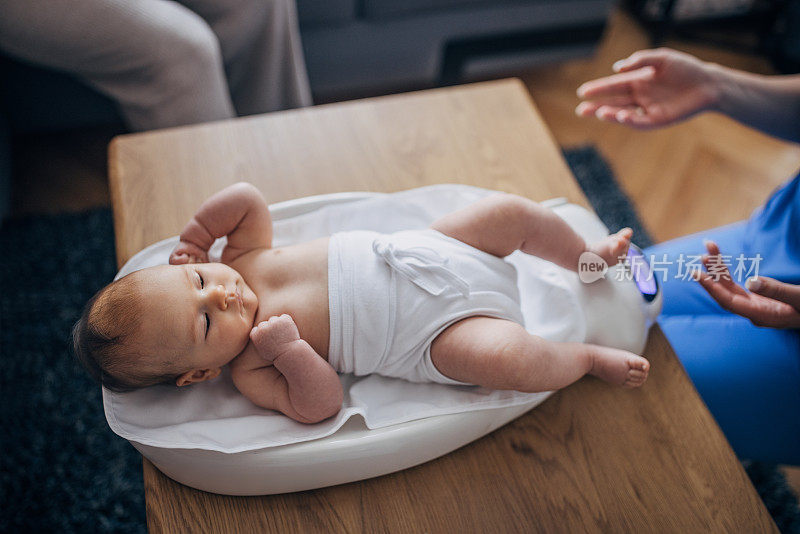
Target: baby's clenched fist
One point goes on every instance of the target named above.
(274, 336)
(188, 253)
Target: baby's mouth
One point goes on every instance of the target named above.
(244, 306)
(239, 300)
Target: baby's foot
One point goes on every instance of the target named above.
(613, 247)
(619, 367)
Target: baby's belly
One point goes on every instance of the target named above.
(293, 280)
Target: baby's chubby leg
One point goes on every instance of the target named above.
(503, 223)
(500, 354)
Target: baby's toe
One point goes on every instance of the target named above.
(635, 379)
(638, 369)
(639, 364)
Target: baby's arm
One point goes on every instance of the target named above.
(286, 374)
(239, 212)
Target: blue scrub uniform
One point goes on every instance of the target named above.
(748, 376)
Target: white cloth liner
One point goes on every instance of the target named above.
(214, 416)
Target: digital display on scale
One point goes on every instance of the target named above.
(642, 275)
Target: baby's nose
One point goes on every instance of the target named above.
(221, 297)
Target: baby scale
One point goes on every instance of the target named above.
(209, 437)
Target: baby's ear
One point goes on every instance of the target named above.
(197, 375)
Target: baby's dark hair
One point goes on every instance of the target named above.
(101, 339)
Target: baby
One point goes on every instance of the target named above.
(434, 305)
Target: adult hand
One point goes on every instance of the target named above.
(653, 88)
(769, 303)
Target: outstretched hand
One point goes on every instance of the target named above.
(652, 88)
(768, 303)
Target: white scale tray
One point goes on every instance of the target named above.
(615, 314)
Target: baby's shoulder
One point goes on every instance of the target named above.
(246, 257)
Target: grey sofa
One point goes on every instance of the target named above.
(357, 46)
(352, 47)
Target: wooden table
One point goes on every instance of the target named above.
(592, 457)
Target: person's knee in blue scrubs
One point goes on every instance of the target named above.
(748, 376)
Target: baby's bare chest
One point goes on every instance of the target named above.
(292, 280)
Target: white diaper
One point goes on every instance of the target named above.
(390, 295)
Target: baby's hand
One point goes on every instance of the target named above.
(274, 336)
(187, 252)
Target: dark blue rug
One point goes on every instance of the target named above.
(61, 468)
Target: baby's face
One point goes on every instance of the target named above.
(202, 312)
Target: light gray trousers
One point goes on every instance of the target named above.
(167, 63)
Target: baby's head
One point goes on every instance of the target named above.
(168, 324)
